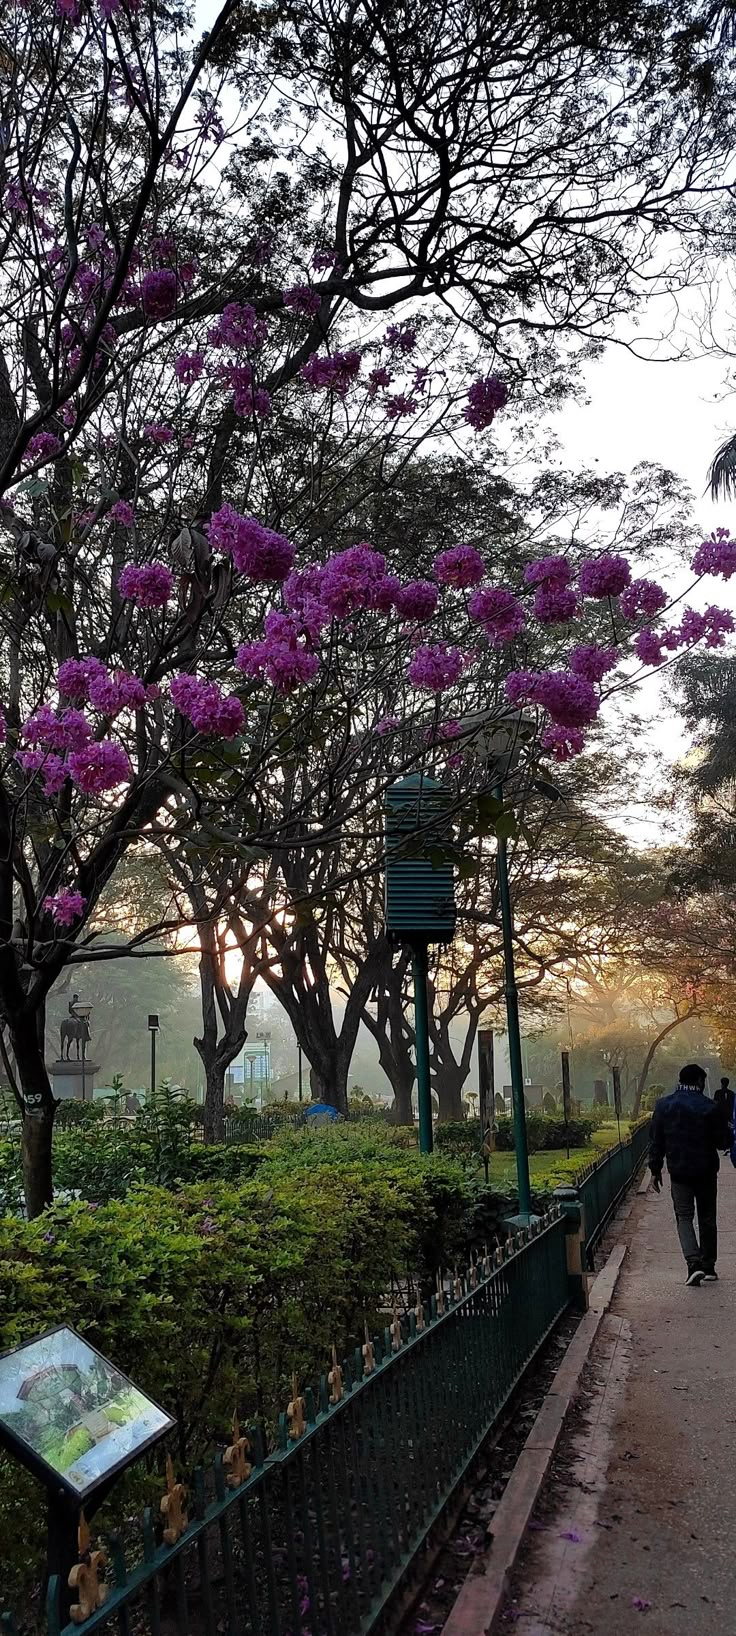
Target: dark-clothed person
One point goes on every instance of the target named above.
(689, 1131)
(724, 1099)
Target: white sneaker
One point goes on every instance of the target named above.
(695, 1277)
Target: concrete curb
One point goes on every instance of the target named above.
(481, 1601)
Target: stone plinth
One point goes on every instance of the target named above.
(72, 1080)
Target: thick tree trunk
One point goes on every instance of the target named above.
(402, 1112)
(214, 1099)
(448, 1088)
(38, 1115)
(329, 1081)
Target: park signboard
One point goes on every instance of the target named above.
(71, 1416)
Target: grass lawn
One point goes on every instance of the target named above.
(549, 1170)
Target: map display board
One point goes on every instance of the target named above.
(70, 1415)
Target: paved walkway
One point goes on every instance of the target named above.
(637, 1531)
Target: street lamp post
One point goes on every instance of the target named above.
(153, 1028)
(512, 1019)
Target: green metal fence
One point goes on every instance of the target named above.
(316, 1539)
(602, 1186)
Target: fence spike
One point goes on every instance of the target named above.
(397, 1339)
(334, 1379)
(419, 1317)
(457, 1287)
(173, 1506)
(84, 1577)
(441, 1297)
(473, 1273)
(236, 1459)
(296, 1412)
(368, 1353)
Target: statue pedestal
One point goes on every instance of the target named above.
(73, 1081)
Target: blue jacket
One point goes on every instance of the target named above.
(688, 1130)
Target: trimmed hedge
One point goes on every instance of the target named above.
(543, 1134)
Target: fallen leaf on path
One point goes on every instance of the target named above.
(640, 1603)
(572, 1534)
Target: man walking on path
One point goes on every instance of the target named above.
(724, 1098)
(689, 1130)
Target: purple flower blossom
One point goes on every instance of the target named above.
(147, 584)
(302, 299)
(573, 1536)
(111, 692)
(591, 662)
(158, 432)
(207, 1226)
(303, 598)
(401, 338)
(238, 327)
(607, 575)
(545, 569)
(400, 406)
(641, 1604)
(718, 621)
(555, 603)
(258, 552)
(716, 555)
(351, 580)
(188, 367)
(43, 445)
(417, 600)
(563, 742)
(322, 259)
(223, 527)
(211, 712)
(122, 512)
(648, 646)
(460, 566)
(158, 292)
(262, 405)
(70, 9)
(485, 398)
(436, 668)
(387, 724)
(52, 730)
(569, 700)
(99, 767)
(74, 675)
(54, 771)
(282, 655)
(65, 907)
(378, 378)
(643, 598)
(498, 611)
(334, 374)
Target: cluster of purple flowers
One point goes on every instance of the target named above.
(258, 552)
(282, 654)
(238, 327)
(65, 907)
(607, 575)
(643, 599)
(436, 667)
(188, 367)
(716, 555)
(302, 299)
(334, 374)
(591, 662)
(570, 700)
(147, 584)
(401, 338)
(159, 292)
(555, 600)
(99, 767)
(210, 711)
(461, 566)
(122, 512)
(485, 397)
(417, 600)
(43, 445)
(498, 612)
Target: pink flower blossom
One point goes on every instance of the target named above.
(387, 724)
(301, 298)
(378, 378)
(335, 374)
(570, 700)
(693, 626)
(158, 291)
(303, 598)
(564, 742)
(351, 580)
(498, 611)
(607, 575)
(485, 398)
(385, 593)
(100, 766)
(158, 432)
(223, 527)
(122, 512)
(147, 584)
(716, 555)
(43, 445)
(238, 327)
(54, 730)
(188, 367)
(211, 712)
(591, 662)
(417, 600)
(282, 655)
(555, 603)
(65, 907)
(436, 668)
(111, 692)
(54, 771)
(74, 675)
(719, 622)
(545, 569)
(460, 566)
(643, 598)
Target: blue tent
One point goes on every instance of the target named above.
(321, 1113)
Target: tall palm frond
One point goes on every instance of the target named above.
(722, 474)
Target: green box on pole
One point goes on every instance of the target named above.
(420, 889)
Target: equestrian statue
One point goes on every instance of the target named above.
(74, 1030)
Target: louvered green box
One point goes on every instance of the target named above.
(420, 887)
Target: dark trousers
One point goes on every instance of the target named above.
(686, 1197)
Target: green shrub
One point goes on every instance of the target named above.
(71, 1113)
(465, 1137)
